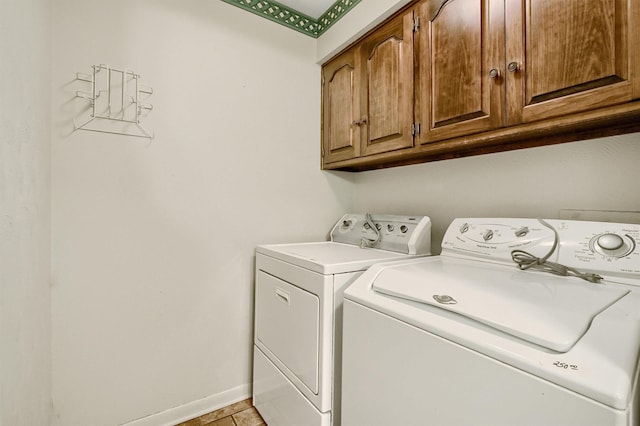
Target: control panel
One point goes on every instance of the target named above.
(402, 234)
(602, 247)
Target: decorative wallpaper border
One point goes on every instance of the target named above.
(293, 19)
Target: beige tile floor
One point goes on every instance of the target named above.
(241, 413)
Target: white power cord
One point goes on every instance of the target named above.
(368, 242)
(526, 260)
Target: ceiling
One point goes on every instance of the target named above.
(311, 8)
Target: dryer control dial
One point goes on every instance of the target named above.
(612, 245)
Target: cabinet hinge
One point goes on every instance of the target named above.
(416, 24)
(415, 129)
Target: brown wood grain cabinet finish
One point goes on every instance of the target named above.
(368, 94)
(572, 56)
(340, 108)
(460, 43)
(386, 79)
(482, 76)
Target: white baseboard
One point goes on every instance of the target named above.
(173, 416)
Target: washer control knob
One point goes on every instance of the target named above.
(464, 228)
(390, 227)
(610, 241)
(487, 235)
(346, 223)
(404, 229)
(378, 226)
(522, 232)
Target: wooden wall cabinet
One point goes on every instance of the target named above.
(487, 75)
(340, 107)
(460, 71)
(386, 77)
(568, 56)
(367, 94)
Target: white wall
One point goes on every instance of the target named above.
(153, 242)
(598, 174)
(25, 189)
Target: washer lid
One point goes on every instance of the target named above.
(550, 311)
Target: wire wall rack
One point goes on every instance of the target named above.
(117, 102)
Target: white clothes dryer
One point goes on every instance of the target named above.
(298, 312)
(518, 322)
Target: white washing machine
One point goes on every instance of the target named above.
(471, 337)
(298, 312)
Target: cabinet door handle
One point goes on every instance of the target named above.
(360, 122)
(513, 67)
(494, 73)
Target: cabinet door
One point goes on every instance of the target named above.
(461, 67)
(386, 82)
(340, 134)
(568, 56)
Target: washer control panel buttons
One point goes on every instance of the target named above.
(606, 248)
